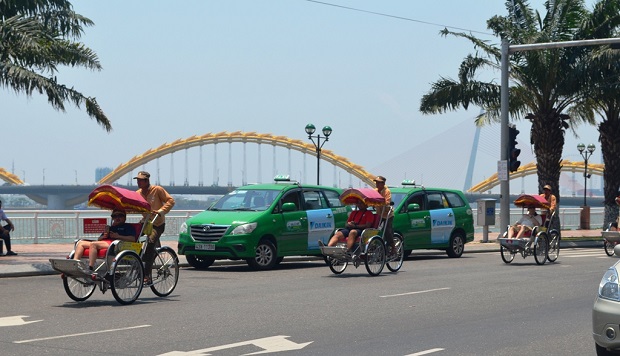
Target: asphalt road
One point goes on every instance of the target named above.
(435, 305)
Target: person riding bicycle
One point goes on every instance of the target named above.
(526, 223)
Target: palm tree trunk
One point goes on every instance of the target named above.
(609, 136)
(547, 136)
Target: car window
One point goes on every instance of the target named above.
(454, 200)
(416, 198)
(435, 201)
(289, 197)
(312, 200)
(333, 198)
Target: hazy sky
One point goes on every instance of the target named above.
(172, 70)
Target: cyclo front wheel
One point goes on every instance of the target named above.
(609, 248)
(395, 260)
(335, 265)
(78, 289)
(165, 271)
(540, 249)
(126, 277)
(375, 256)
(507, 254)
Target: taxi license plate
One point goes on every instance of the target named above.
(205, 247)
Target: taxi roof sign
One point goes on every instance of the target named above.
(408, 182)
(282, 178)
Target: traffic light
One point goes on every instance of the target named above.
(513, 151)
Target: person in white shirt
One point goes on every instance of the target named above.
(526, 223)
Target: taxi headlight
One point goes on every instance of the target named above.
(244, 229)
(183, 228)
(608, 288)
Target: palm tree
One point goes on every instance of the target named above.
(542, 86)
(600, 96)
(38, 36)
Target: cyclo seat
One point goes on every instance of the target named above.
(101, 253)
(367, 232)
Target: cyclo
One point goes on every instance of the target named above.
(611, 237)
(119, 267)
(370, 248)
(542, 241)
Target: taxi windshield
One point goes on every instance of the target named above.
(246, 199)
(397, 198)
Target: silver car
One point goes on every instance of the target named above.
(606, 312)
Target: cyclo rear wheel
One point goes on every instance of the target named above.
(554, 246)
(395, 261)
(165, 271)
(375, 256)
(126, 277)
(541, 249)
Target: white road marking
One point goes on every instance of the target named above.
(80, 334)
(409, 293)
(268, 344)
(426, 352)
(16, 320)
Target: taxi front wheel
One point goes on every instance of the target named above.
(457, 245)
(266, 256)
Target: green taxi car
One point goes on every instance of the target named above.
(262, 224)
(432, 218)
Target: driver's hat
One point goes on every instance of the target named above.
(143, 175)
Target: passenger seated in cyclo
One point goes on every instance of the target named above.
(358, 220)
(526, 224)
(120, 230)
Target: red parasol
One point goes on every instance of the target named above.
(537, 201)
(110, 197)
(369, 196)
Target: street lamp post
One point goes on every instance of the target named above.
(310, 129)
(585, 209)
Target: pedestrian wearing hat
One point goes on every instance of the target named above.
(547, 214)
(385, 212)
(161, 203)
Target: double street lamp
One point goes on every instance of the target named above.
(585, 154)
(585, 210)
(310, 129)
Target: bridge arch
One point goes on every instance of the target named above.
(237, 136)
(531, 168)
(10, 177)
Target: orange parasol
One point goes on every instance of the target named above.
(537, 201)
(369, 196)
(110, 197)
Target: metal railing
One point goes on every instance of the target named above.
(569, 218)
(43, 226)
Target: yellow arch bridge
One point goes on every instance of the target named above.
(196, 141)
(530, 168)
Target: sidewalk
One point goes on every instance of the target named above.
(33, 259)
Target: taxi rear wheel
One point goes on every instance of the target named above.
(457, 245)
(266, 256)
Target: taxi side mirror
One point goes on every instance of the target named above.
(289, 207)
(413, 207)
